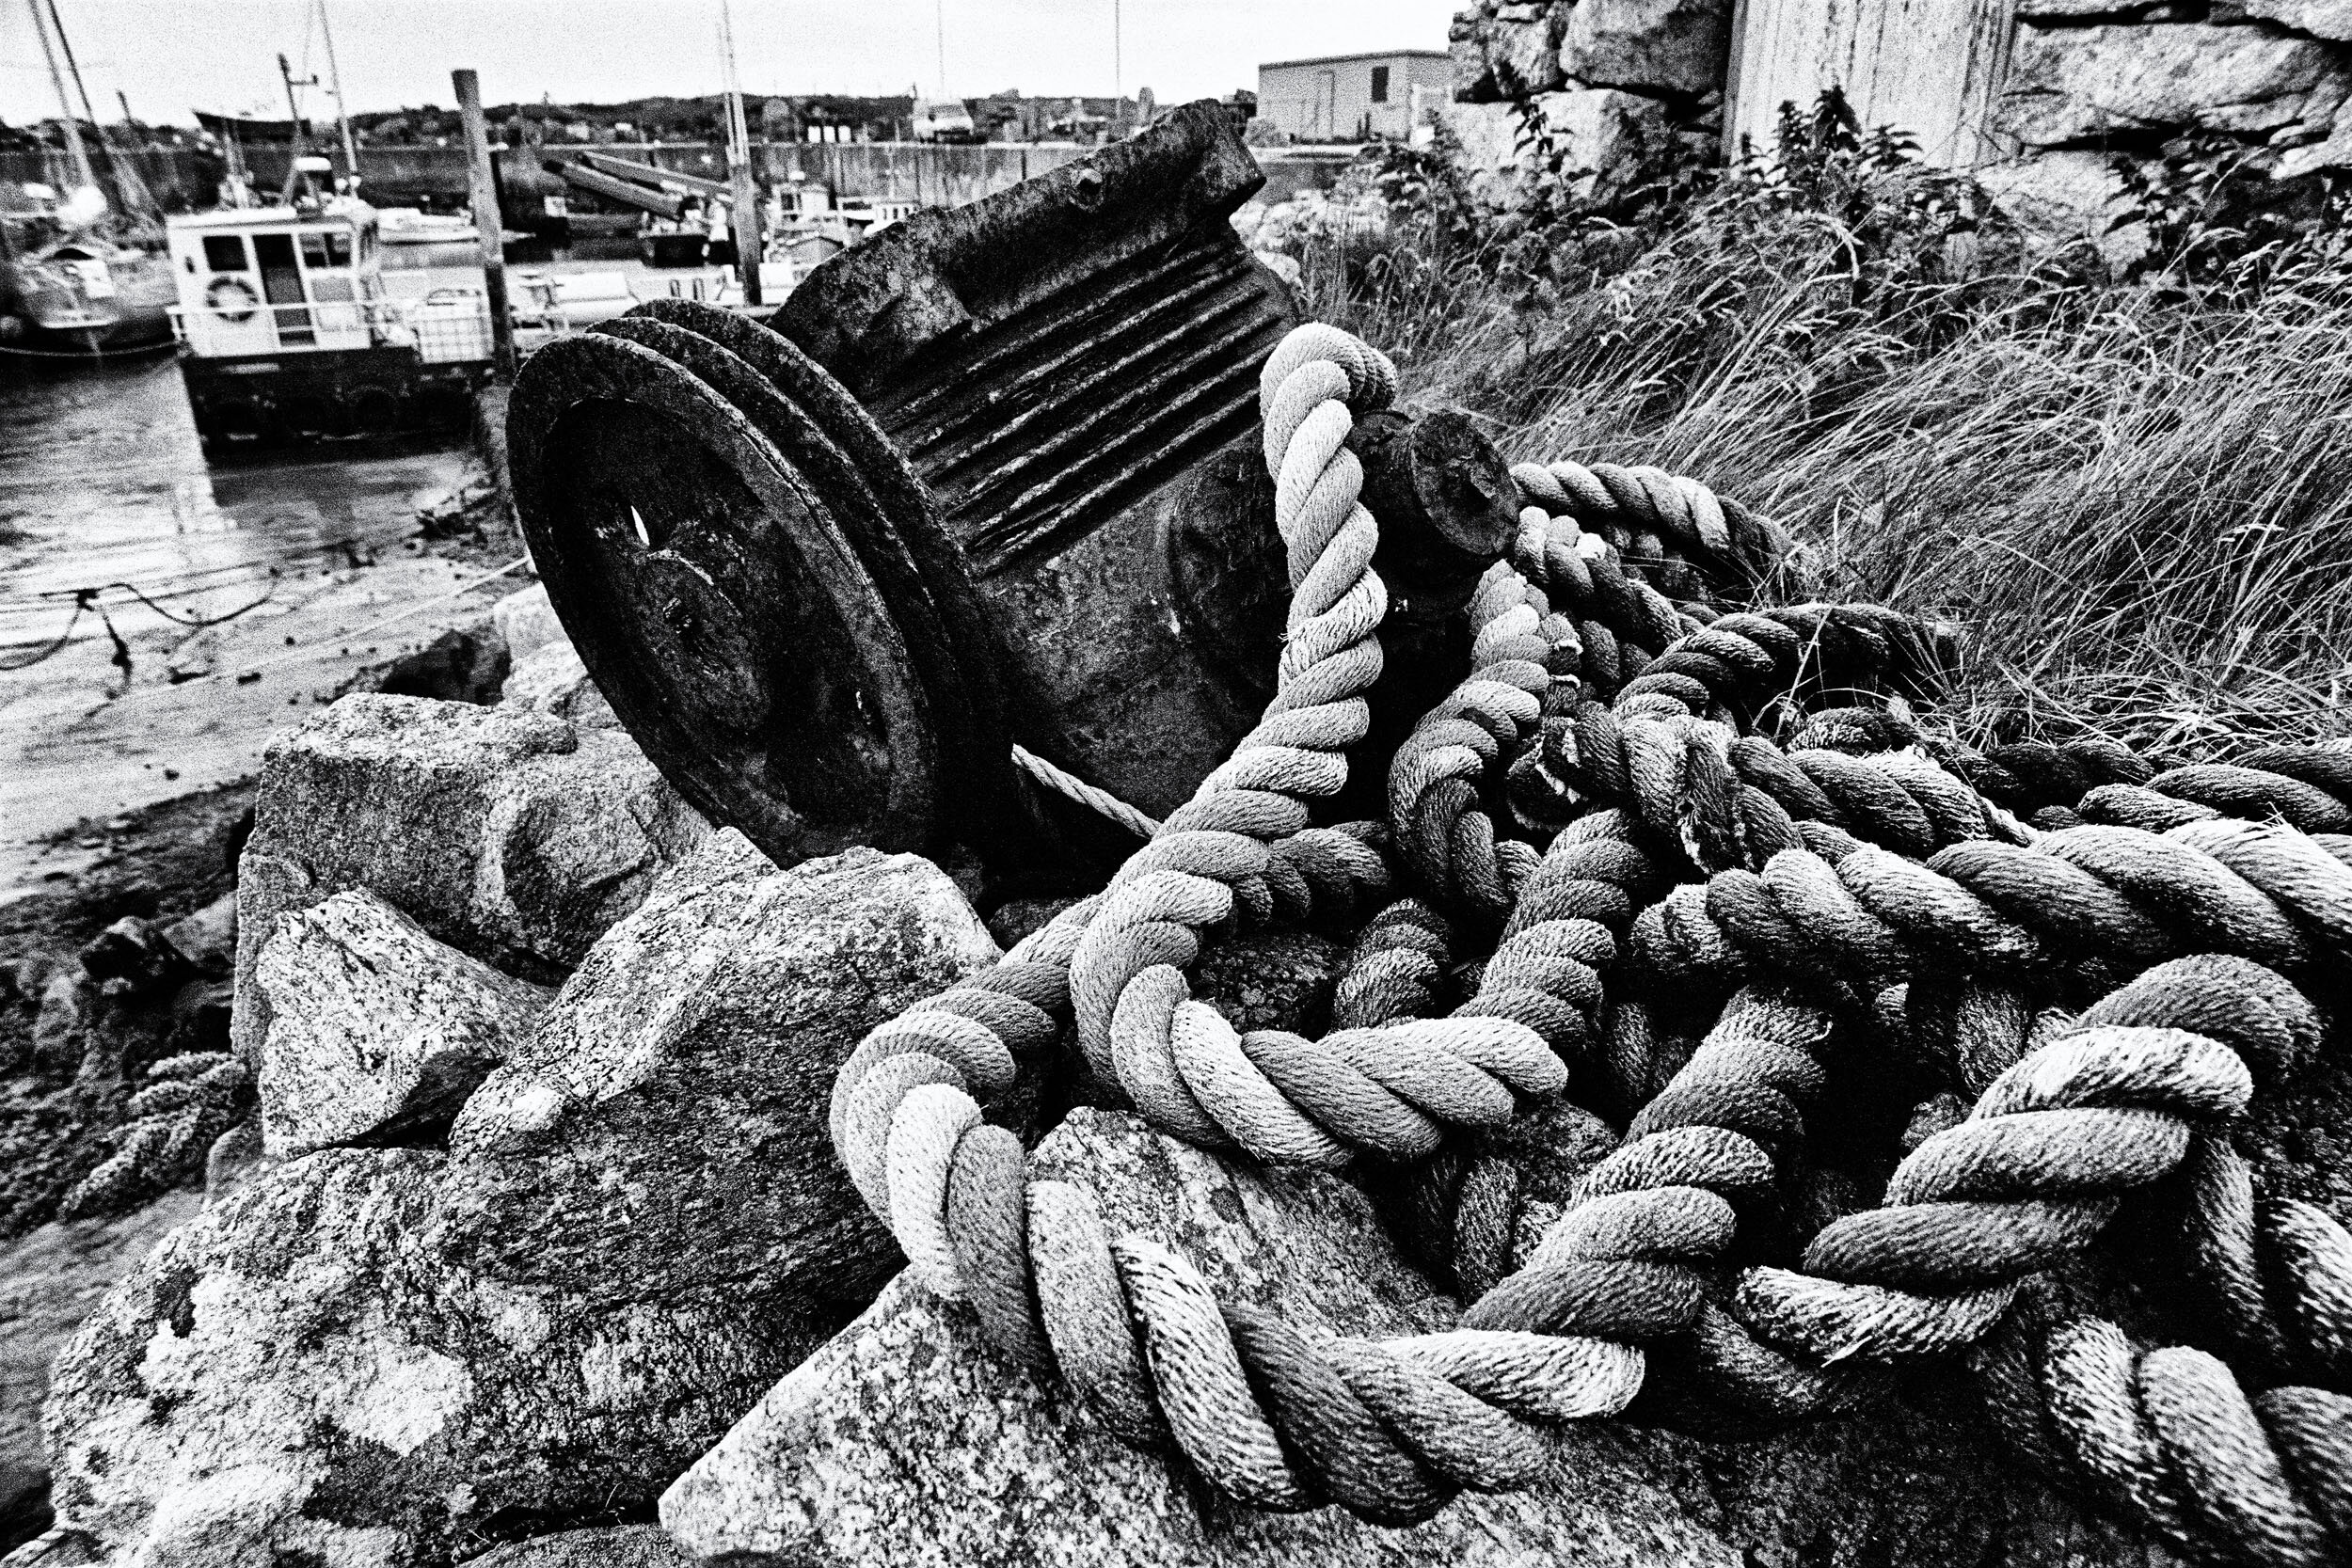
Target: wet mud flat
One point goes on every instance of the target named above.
(225, 599)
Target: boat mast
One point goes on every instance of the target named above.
(128, 172)
(342, 115)
(75, 152)
(294, 111)
(745, 205)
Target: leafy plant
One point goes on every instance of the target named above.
(2133, 490)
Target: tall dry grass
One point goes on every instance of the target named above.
(2135, 496)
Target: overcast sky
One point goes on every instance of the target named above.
(174, 56)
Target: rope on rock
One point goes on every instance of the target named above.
(1037, 1263)
(1801, 913)
(2171, 1437)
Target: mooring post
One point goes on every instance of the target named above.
(483, 180)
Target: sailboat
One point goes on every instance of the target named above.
(76, 275)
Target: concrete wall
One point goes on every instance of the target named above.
(1331, 99)
(1933, 67)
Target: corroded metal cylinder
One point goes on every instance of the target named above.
(992, 476)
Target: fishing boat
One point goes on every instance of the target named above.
(286, 331)
(76, 275)
(78, 288)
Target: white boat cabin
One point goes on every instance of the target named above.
(278, 280)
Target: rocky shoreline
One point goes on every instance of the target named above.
(533, 1236)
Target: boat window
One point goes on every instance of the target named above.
(225, 252)
(330, 288)
(331, 249)
(281, 286)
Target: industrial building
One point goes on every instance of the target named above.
(1351, 97)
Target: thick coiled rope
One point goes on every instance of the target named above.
(1279, 1421)
(1391, 1432)
(2112, 896)
(1672, 529)
(2036, 1170)
(2172, 1439)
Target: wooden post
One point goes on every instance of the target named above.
(747, 215)
(484, 182)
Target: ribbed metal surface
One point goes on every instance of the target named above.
(1035, 431)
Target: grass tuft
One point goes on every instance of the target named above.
(2134, 494)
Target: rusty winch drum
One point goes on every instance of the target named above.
(991, 478)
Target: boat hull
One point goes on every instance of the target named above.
(269, 399)
(49, 308)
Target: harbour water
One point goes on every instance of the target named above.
(310, 556)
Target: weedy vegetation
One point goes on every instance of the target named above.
(2130, 481)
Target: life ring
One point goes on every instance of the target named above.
(224, 296)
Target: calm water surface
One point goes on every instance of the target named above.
(101, 481)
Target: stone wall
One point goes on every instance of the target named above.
(1625, 87)
(2037, 96)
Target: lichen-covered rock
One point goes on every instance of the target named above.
(1664, 46)
(50, 1279)
(1505, 51)
(376, 1031)
(664, 1127)
(904, 1441)
(551, 679)
(2077, 85)
(514, 837)
(301, 1373)
(612, 1547)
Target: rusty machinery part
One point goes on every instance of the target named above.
(951, 507)
(730, 575)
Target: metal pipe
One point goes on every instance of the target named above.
(293, 118)
(626, 169)
(483, 178)
(662, 204)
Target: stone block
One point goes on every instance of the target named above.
(551, 679)
(299, 1374)
(1681, 47)
(514, 837)
(2079, 85)
(377, 1032)
(666, 1124)
(1504, 52)
(526, 621)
